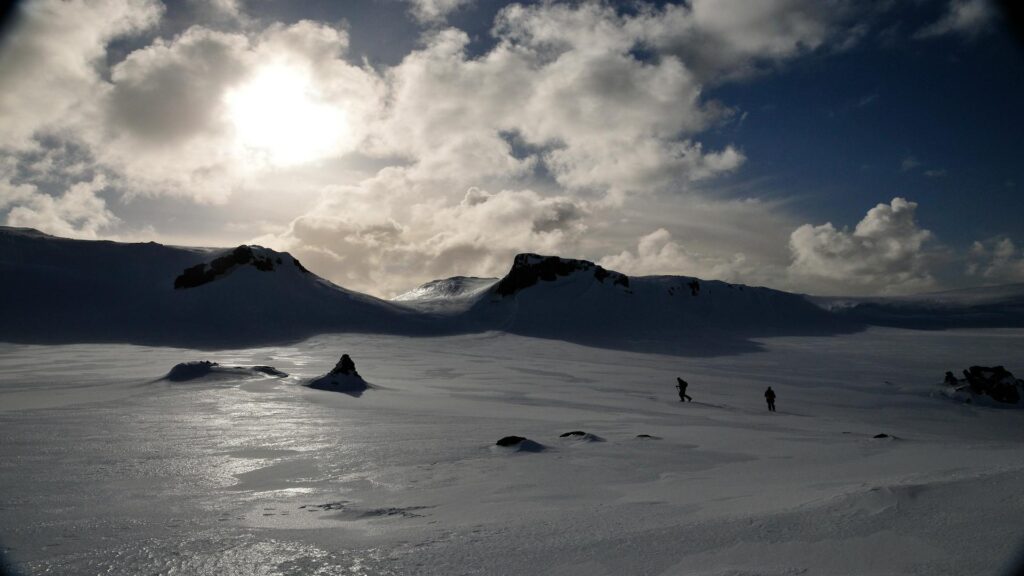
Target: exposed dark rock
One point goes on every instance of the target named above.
(580, 435)
(694, 286)
(345, 366)
(342, 378)
(204, 273)
(510, 441)
(647, 436)
(880, 436)
(528, 269)
(270, 371)
(299, 265)
(204, 368)
(996, 382)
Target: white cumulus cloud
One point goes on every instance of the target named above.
(887, 252)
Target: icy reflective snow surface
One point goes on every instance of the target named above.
(105, 469)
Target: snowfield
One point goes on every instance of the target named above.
(107, 467)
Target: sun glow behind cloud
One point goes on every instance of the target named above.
(279, 117)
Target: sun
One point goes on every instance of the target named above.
(279, 116)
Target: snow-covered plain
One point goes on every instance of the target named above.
(105, 467)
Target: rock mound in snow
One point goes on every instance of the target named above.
(581, 436)
(186, 371)
(342, 378)
(528, 269)
(519, 444)
(985, 385)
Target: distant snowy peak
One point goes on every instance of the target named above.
(456, 287)
(529, 269)
(260, 258)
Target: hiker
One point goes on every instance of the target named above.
(682, 384)
(769, 395)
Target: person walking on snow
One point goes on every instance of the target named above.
(769, 395)
(682, 384)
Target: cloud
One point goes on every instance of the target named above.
(658, 253)
(909, 163)
(939, 173)
(76, 213)
(379, 238)
(435, 11)
(967, 18)
(50, 61)
(885, 253)
(997, 260)
(172, 116)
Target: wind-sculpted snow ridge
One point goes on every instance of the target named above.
(58, 290)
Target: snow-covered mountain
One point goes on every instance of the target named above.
(61, 290)
(579, 301)
(984, 307)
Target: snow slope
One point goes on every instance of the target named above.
(61, 290)
(579, 301)
(105, 471)
(992, 306)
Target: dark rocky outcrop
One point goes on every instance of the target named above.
(345, 366)
(520, 444)
(510, 441)
(528, 269)
(204, 273)
(342, 378)
(581, 435)
(996, 383)
(883, 435)
(186, 371)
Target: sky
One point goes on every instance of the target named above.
(829, 147)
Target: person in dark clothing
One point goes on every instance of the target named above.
(681, 385)
(769, 395)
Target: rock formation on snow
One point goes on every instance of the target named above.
(981, 383)
(519, 444)
(342, 378)
(204, 273)
(186, 371)
(528, 269)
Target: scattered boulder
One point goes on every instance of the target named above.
(883, 435)
(519, 444)
(993, 384)
(647, 437)
(582, 436)
(342, 378)
(510, 441)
